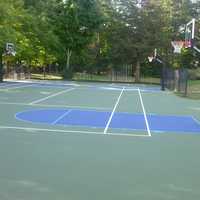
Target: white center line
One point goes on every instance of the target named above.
(53, 95)
(116, 104)
(145, 115)
(61, 117)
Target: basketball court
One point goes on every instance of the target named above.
(73, 140)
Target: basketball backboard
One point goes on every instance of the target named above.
(192, 34)
(152, 56)
(10, 49)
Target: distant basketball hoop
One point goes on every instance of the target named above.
(10, 49)
(150, 58)
(177, 45)
(153, 56)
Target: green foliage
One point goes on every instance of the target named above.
(75, 22)
(187, 58)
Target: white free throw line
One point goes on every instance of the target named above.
(68, 131)
(145, 115)
(53, 95)
(62, 116)
(116, 104)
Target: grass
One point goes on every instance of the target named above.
(86, 76)
(95, 77)
(109, 78)
(46, 77)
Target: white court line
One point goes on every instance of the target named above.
(66, 83)
(61, 117)
(53, 95)
(194, 108)
(196, 120)
(6, 85)
(23, 86)
(116, 104)
(145, 115)
(55, 106)
(69, 131)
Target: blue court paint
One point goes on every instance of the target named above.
(86, 118)
(90, 118)
(40, 116)
(173, 123)
(128, 121)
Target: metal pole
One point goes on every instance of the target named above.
(163, 77)
(162, 71)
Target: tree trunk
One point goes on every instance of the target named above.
(137, 72)
(44, 72)
(176, 80)
(44, 65)
(68, 54)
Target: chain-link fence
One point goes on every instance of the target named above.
(176, 80)
(123, 74)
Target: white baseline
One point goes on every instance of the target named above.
(56, 131)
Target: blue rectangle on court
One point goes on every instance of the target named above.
(100, 119)
(128, 121)
(173, 123)
(86, 118)
(159, 123)
(40, 116)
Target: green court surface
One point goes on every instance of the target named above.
(42, 161)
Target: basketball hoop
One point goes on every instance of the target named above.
(178, 45)
(10, 49)
(152, 56)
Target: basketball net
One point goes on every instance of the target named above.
(188, 44)
(178, 45)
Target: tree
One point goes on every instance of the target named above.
(134, 32)
(11, 14)
(75, 23)
(39, 44)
